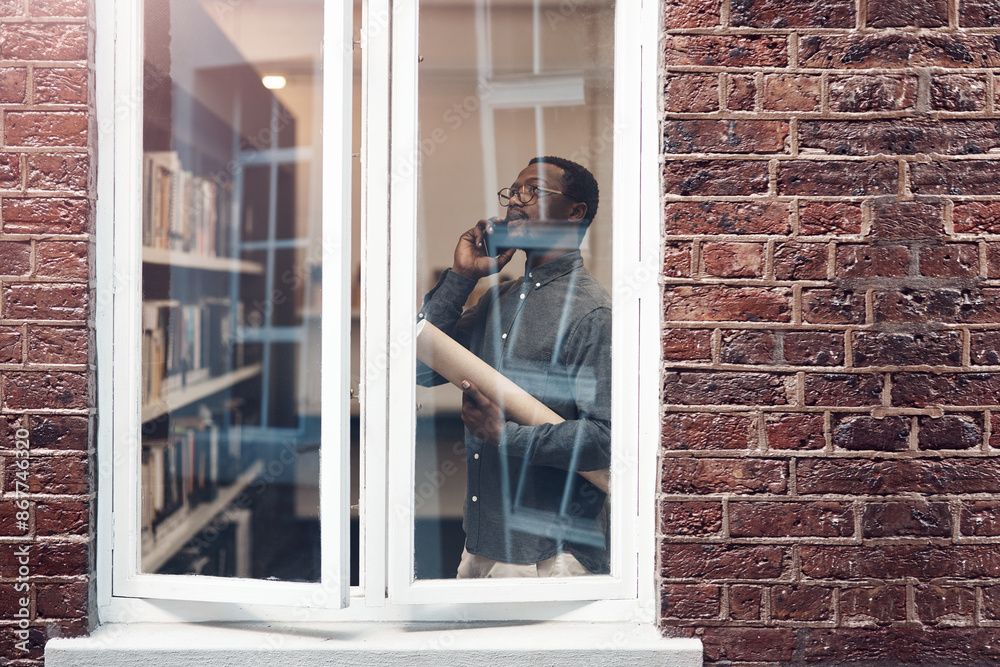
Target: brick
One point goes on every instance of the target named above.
(949, 432)
(795, 432)
(979, 14)
(722, 303)
(985, 348)
(49, 301)
(906, 220)
(677, 261)
(11, 347)
(747, 347)
(822, 218)
(51, 390)
(787, 92)
(45, 41)
(865, 92)
(734, 260)
(958, 93)
(9, 521)
(813, 348)
(744, 602)
(690, 601)
(726, 51)
(822, 519)
(692, 13)
(714, 178)
(801, 603)
(858, 433)
(965, 177)
(839, 178)
(54, 474)
(991, 602)
(944, 305)
(748, 644)
(992, 260)
(908, 518)
(57, 345)
(59, 432)
(10, 8)
(904, 13)
(722, 561)
(945, 603)
(953, 260)
(691, 518)
(742, 93)
(691, 93)
(15, 258)
(43, 129)
(867, 261)
(877, 348)
(687, 431)
(43, 215)
(900, 137)
(966, 389)
(59, 172)
(800, 261)
(890, 561)
(829, 306)
(58, 8)
(66, 599)
(726, 218)
(61, 85)
(897, 646)
(10, 644)
(978, 217)
(10, 171)
(897, 50)
(47, 559)
(737, 476)
(724, 136)
(793, 13)
(980, 518)
(687, 345)
(61, 517)
(724, 389)
(898, 476)
(843, 389)
(879, 605)
(13, 85)
(995, 430)
(62, 259)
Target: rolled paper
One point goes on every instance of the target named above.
(446, 357)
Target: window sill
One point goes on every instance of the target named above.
(381, 644)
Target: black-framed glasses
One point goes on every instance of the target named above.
(526, 194)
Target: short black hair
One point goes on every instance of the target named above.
(578, 183)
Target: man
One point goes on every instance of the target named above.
(527, 511)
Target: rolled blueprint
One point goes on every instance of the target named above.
(455, 363)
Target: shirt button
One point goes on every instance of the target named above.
(504, 336)
(475, 498)
(475, 456)
(538, 284)
(522, 296)
(530, 275)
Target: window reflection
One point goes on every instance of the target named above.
(502, 82)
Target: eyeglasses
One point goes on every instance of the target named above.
(526, 194)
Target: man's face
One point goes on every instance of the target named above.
(550, 216)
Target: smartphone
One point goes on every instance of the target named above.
(497, 240)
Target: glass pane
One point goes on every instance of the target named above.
(500, 491)
(231, 288)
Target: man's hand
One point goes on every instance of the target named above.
(482, 417)
(471, 260)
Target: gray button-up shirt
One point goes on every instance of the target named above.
(549, 332)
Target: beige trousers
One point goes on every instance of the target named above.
(479, 567)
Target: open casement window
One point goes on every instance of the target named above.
(286, 182)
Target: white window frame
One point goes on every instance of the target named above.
(387, 591)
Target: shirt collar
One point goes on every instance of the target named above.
(549, 271)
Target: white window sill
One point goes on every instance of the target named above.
(375, 644)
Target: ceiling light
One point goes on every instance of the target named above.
(273, 82)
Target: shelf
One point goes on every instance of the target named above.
(190, 260)
(180, 528)
(198, 391)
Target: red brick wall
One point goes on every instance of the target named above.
(44, 292)
(832, 330)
